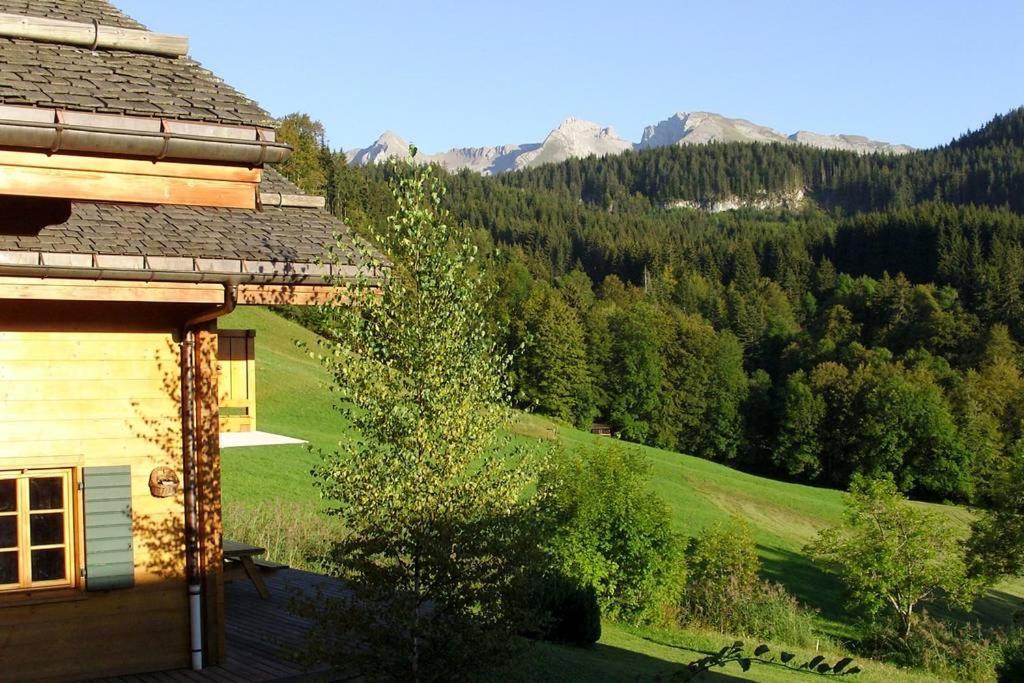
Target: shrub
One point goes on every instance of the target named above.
(724, 592)
(1011, 668)
(566, 612)
(610, 533)
(959, 652)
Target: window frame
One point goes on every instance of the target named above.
(23, 513)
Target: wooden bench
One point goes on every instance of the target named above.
(269, 566)
(242, 558)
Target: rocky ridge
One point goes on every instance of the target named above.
(579, 138)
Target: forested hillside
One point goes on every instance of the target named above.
(875, 328)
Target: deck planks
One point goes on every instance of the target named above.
(261, 635)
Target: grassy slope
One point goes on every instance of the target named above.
(293, 400)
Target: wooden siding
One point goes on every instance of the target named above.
(94, 178)
(86, 398)
(290, 295)
(64, 289)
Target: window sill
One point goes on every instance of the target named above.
(40, 597)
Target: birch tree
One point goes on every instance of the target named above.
(433, 496)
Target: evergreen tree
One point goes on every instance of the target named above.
(554, 377)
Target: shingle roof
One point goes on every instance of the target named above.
(276, 240)
(279, 236)
(112, 81)
(71, 10)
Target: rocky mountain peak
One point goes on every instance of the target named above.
(576, 137)
(389, 145)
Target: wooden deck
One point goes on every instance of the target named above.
(262, 635)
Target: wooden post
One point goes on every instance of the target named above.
(95, 36)
(208, 465)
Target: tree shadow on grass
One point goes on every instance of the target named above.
(813, 586)
(600, 662)
(994, 610)
(822, 591)
(997, 608)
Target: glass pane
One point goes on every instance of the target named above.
(46, 493)
(48, 565)
(47, 528)
(8, 495)
(9, 531)
(9, 567)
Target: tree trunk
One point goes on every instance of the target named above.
(906, 619)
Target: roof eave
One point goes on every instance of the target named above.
(164, 269)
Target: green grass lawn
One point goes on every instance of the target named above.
(293, 399)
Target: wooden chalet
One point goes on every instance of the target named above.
(137, 205)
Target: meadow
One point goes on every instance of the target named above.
(270, 499)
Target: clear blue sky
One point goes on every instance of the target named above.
(444, 73)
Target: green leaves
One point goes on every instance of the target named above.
(891, 556)
(610, 531)
(433, 497)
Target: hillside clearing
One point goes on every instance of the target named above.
(294, 400)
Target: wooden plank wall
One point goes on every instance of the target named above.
(91, 398)
(94, 178)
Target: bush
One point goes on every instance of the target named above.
(724, 592)
(566, 611)
(1011, 668)
(959, 652)
(610, 533)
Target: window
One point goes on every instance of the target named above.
(36, 531)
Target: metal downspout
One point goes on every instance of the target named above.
(192, 545)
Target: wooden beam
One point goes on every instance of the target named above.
(105, 186)
(60, 289)
(166, 169)
(91, 35)
(211, 535)
(291, 295)
(304, 201)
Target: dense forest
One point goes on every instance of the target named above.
(874, 327)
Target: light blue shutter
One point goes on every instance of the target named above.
(109, 554)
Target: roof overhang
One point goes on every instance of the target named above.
(171, 269)
(155, 139)
(78, 290)
(29, 173)
(111, 285)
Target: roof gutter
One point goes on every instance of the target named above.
(185, 276)
(61, 130)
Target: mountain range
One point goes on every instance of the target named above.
(579, 138)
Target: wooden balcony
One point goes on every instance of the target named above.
(262, 635)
